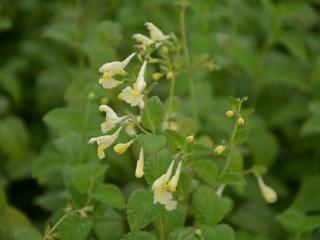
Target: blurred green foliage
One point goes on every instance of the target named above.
(50, 53)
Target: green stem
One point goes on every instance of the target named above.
(149, 117)
(187, 61)
(228, 161)
(85, 128)
(160, 228)
(47, 235)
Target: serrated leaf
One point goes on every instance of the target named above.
(241, 136)
(152, 144)
(295, 44)
(153, 113)
(183, 233)
(75, 228)
(175, 139)
(218, 232)
(171, 219)
(208, 207)
(139, 236)
(233, 179)
(109, 194)
(207, 171)
(85, 175)
(184, 185)
(26, 233)
(141, 210)
(307, 198)
(65, 119)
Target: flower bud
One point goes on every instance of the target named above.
(190, 139)
(268, 193)
(219, 149)
(156, 76)
(140, 165)
(240, 121)
(165, 49)
(198, 232)
(122, 147)
(170, 76)
(229, 113)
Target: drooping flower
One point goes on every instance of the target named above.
(155, 33)
(174, 180)
(111, 119)
(140, 164)
(144, 40)
(162, 192)
(104, 142)
(268, 193)
(109, 70)
(134, 95)
(120, 148)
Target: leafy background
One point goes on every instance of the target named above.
(267, 50)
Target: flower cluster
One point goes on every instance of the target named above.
(135, 96)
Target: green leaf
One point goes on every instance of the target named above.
(185, 233)
(139, 236)
(295, 44)
(295, 221)
(172, 219)
(241, 136)
(175, 139)
(157, 158)
(218, 232)
(236, 162)
(208, 207)
(152, 144)
(109, 194)
(14, 137)
(207, 171)
(85, 175)
(75, 228)
(26, 233)
(184, 185)
(308, 199)
(141, 210)
(153, 113)
(64, 119)
(233, 179)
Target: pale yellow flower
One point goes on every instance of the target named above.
(174, 180)
(134, 95)
(111, 69)
(268, 193)
(144, 40)
(104, 142)
(162, 192)
(111, 119)
(155, 33)
(120, 148)
(140, 164)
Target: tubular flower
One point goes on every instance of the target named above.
(111, 69)
(120, 148)
(174, 180)
(155, 33)
(140, 164)
(162, 192)
(144, 40)
(104, 142)
(111, 119)
(268, 193)
(134, 95)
